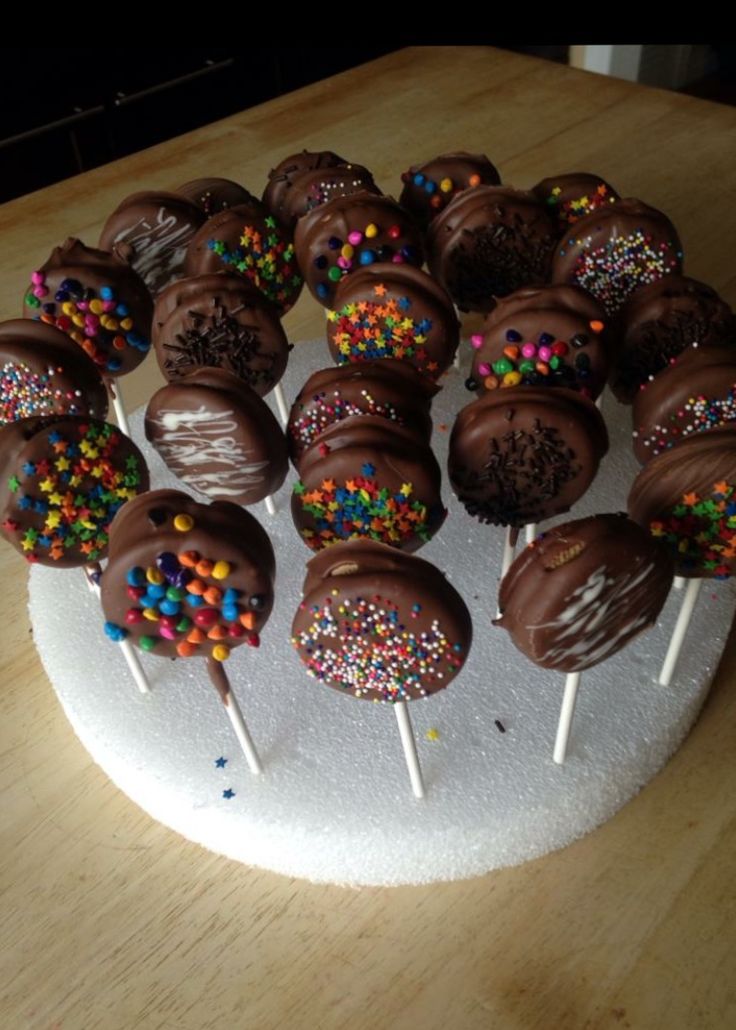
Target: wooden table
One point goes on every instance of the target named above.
(111, 921)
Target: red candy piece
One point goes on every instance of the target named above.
(206, 617)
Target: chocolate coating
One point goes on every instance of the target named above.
(379, 624)
(583, 590)
(429, 187)
(544, 336)
(218, 437)
(695, 393)
(247, 241)
(571, 197)
(214, 195)
(685, 496)
(615, 250)
(43, 372)
(387, 390)
(311, 188)
(362, 479)
(661, 320)
(158, 226)
(219, 321)
(488, 242)
(205, 571)
(348, 233)
(62, 479)
(525, 456)
(393, 311)
(281, 178)
(101, 291)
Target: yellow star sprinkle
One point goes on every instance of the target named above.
(432, 734)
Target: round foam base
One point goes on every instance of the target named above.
(334, 802)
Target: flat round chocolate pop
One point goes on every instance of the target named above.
(218, 436)
(686, 497)
(429, 187)
(97, 299)
(525, 455)
(187, 580)
(392, 392)
(43, 372)
(380, 625)
(583, 590)
(62, 480)
(219, 321)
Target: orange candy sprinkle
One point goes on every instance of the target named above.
(203, 567)
(248, 620)
(189, 559)
(185, 650)
(213, 595)
(196, 587)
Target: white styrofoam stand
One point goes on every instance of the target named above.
(334, 803)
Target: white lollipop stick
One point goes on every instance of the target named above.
(219, 679)
(456, 360)
(599, 401)
(507, 558)
(679, 582)
(530, 531)
(678, 635)
(281, 403)
(134, 664)
(270, 506)
(91, 574)
(410, 748)
(572, 682)
(116, 395)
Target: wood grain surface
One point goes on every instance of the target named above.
(112, 922)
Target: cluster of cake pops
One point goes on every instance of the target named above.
(579, 288)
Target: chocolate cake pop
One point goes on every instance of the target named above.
(213, 195)
(367, 480)
(98, 300)
(659, 321)
(686, 497)
(219, 321)
(390, 391)
(583, 590)
(380, 625)
(393, 311)
(62, 479)
(617, 249)
(348, 233)
(543, 336)
(488, 242)
(246, 240)
(43, 372)
(281, 178)
(186, 579)
(218, 436)
(524, 456)
(695, 393)
(158, 226)
(315, 186)
(571, 197)
(429, 187)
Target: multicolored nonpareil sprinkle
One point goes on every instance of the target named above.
(701, 530)
(361, 507)
(25, 393)
(363, 646)
(97, 321)
(324, 410)
(439, 191)
(695, 416)
(381, 328)
(615, 269)
(266, 257)
(185, 598)
(74, 492)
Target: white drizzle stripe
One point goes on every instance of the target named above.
(188, 439)
(584, 627)
(153, 242)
